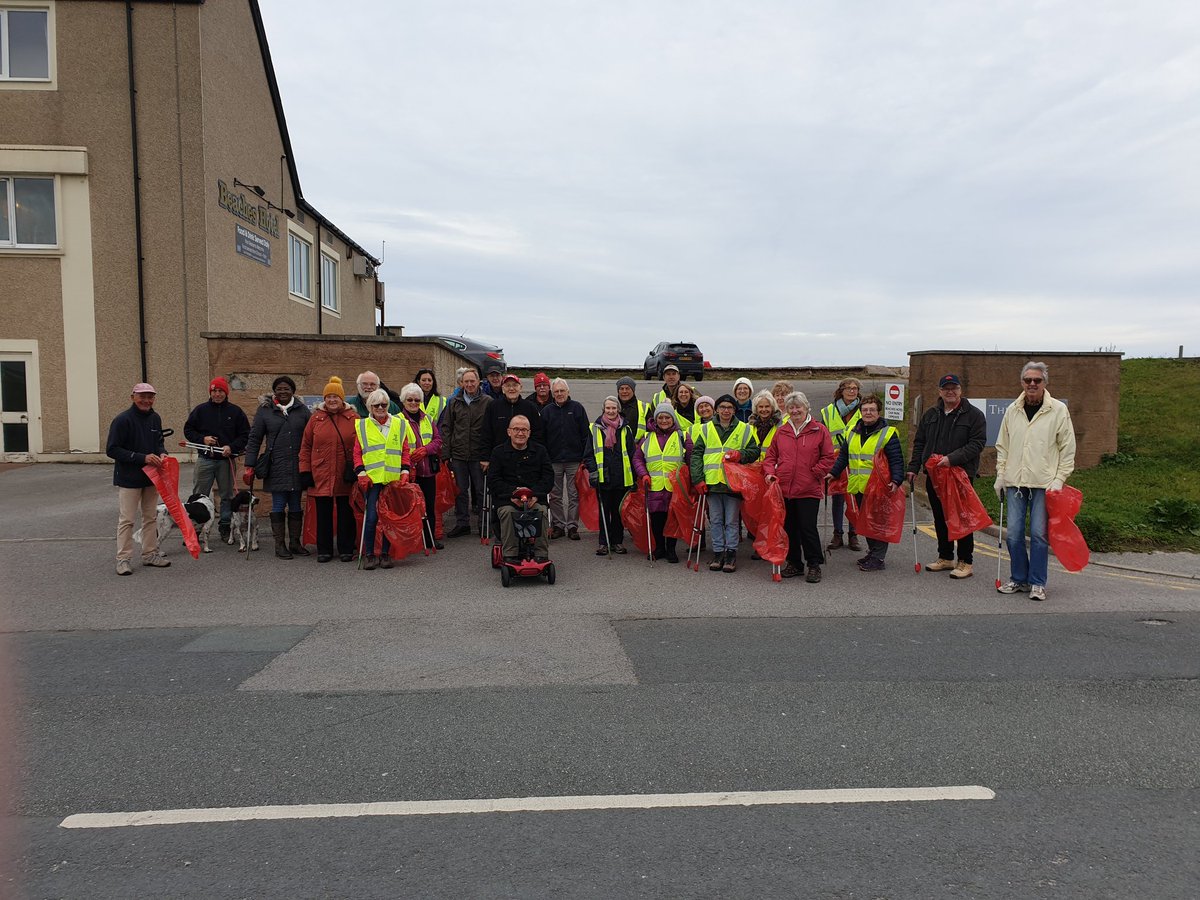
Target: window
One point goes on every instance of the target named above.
(27, 215)
(329, 283)
(24, 44)
(299, 266)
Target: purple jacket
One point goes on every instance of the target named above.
(658, 501)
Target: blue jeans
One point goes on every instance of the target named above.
(1027, 568)
(724, 516)
(286, 499)
(370, 520)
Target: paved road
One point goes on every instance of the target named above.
(227, 682)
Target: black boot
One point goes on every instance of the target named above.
(279, 531)
(295, 529)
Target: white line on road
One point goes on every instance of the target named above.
(524, 804)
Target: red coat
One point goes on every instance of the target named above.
(328, 444)
(800, 461)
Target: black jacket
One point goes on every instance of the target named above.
(960, 435)
(512, 468)
(280, 435)
(225, 421)
(568, 432)
(132, 436)
(500, 411)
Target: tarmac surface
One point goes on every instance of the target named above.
(242, 682)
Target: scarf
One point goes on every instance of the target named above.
(844, 410)
(610, 427)
(285, 409)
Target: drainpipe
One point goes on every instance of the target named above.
(137, 192)
(320, 312)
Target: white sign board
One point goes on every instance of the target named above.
(893, 402)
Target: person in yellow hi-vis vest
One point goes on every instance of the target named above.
(838, 418)
(381, 456)
(723, 439)
(664, 449)
(870, 435)
(612, 451)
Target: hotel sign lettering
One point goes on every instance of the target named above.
(258, 216)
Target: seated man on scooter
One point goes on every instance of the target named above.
(516, 464)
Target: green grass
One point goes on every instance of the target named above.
(1147, 495)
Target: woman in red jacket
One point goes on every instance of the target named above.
(326, 457)
(799, 458)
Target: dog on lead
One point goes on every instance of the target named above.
(200, 510)
(244, 528)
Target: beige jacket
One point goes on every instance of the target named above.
(1034, 453)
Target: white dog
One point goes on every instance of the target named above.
(245, 521)
(200, 510)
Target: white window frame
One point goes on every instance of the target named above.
(330, 288)
(19, 83)
(11, 212)
(299, 234)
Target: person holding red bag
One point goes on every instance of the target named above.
(1035, 453)
(381, 456)
(425, 441)
(870, 435)
(956, 431)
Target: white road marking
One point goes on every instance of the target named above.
(524, 804)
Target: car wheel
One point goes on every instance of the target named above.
(505, 576)
(645, 374)
(699, 376)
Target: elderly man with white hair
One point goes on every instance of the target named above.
(798, 458)
(366, 383)
(1035, 453)
(569, 440)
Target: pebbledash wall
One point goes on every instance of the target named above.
(1090, 383)
(228, 240)
(252, 361)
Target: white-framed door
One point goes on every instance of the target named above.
(20, 404)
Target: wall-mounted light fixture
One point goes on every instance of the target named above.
(261, 194)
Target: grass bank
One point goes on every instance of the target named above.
(1146, 496)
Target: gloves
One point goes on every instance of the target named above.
(732, 456)
(702, 487)
(418, 454)
(364, 481)
(248, 477)
(1055, 485)
(1001, 484)
(645, 482)
(306, 480)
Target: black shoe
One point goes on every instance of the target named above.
(717, 562)
(602, 550)
(324, 557)
(572, 533)
(730, 563)
(672, 557)
(813, 575)
(619, 549)
(347, 557)
(458, 531)
(438, 545)
(789, 571)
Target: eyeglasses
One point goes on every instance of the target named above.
(412, 399)
(519, 430)
(1032, 380)
(379, 406)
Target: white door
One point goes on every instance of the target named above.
(20, 431)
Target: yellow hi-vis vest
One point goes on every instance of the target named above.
(714, 449)
(643, 413)
(766, 442)
(425, 427)
(684, 422)
(598, 454)
(838, 429)
(381, 456)
(662, 460)
(434, 407)
(862, 457)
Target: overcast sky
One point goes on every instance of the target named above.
(782, 183)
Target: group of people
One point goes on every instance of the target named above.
(498, 441)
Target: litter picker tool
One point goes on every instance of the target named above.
(913, 502)
(604, 525)
(485, 515)
(649, 536)
(697, 531)
(362, 535)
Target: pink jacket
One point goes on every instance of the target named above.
(800, 461)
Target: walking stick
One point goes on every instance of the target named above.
(362, 535)
(999, 540)
(604, 525)
(485, 515)
(913, 497)
(251, 518)
(649, 536)
(825, 530)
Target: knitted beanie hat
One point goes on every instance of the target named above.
(334, 387)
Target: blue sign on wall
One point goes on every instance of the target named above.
(252, 245)
(993, 410)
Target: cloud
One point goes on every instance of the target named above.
(782, 183)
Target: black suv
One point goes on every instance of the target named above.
(687, 357)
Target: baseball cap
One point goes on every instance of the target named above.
(142, 388)
(511, 377)
(948, 380)
(492, 370)
(671, 368)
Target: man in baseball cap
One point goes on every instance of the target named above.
(670, 383)
(955, 430)
(510, 403)
(135, 439)
(223, 427)
(491, 386)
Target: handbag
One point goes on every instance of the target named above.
(262, 465)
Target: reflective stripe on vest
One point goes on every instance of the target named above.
(838, 429)
(862, 457)
(714, 449)
(643, 411)
(598, 453)
(425, 427)
(382, 456)
(434, 407)
(662, 461)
